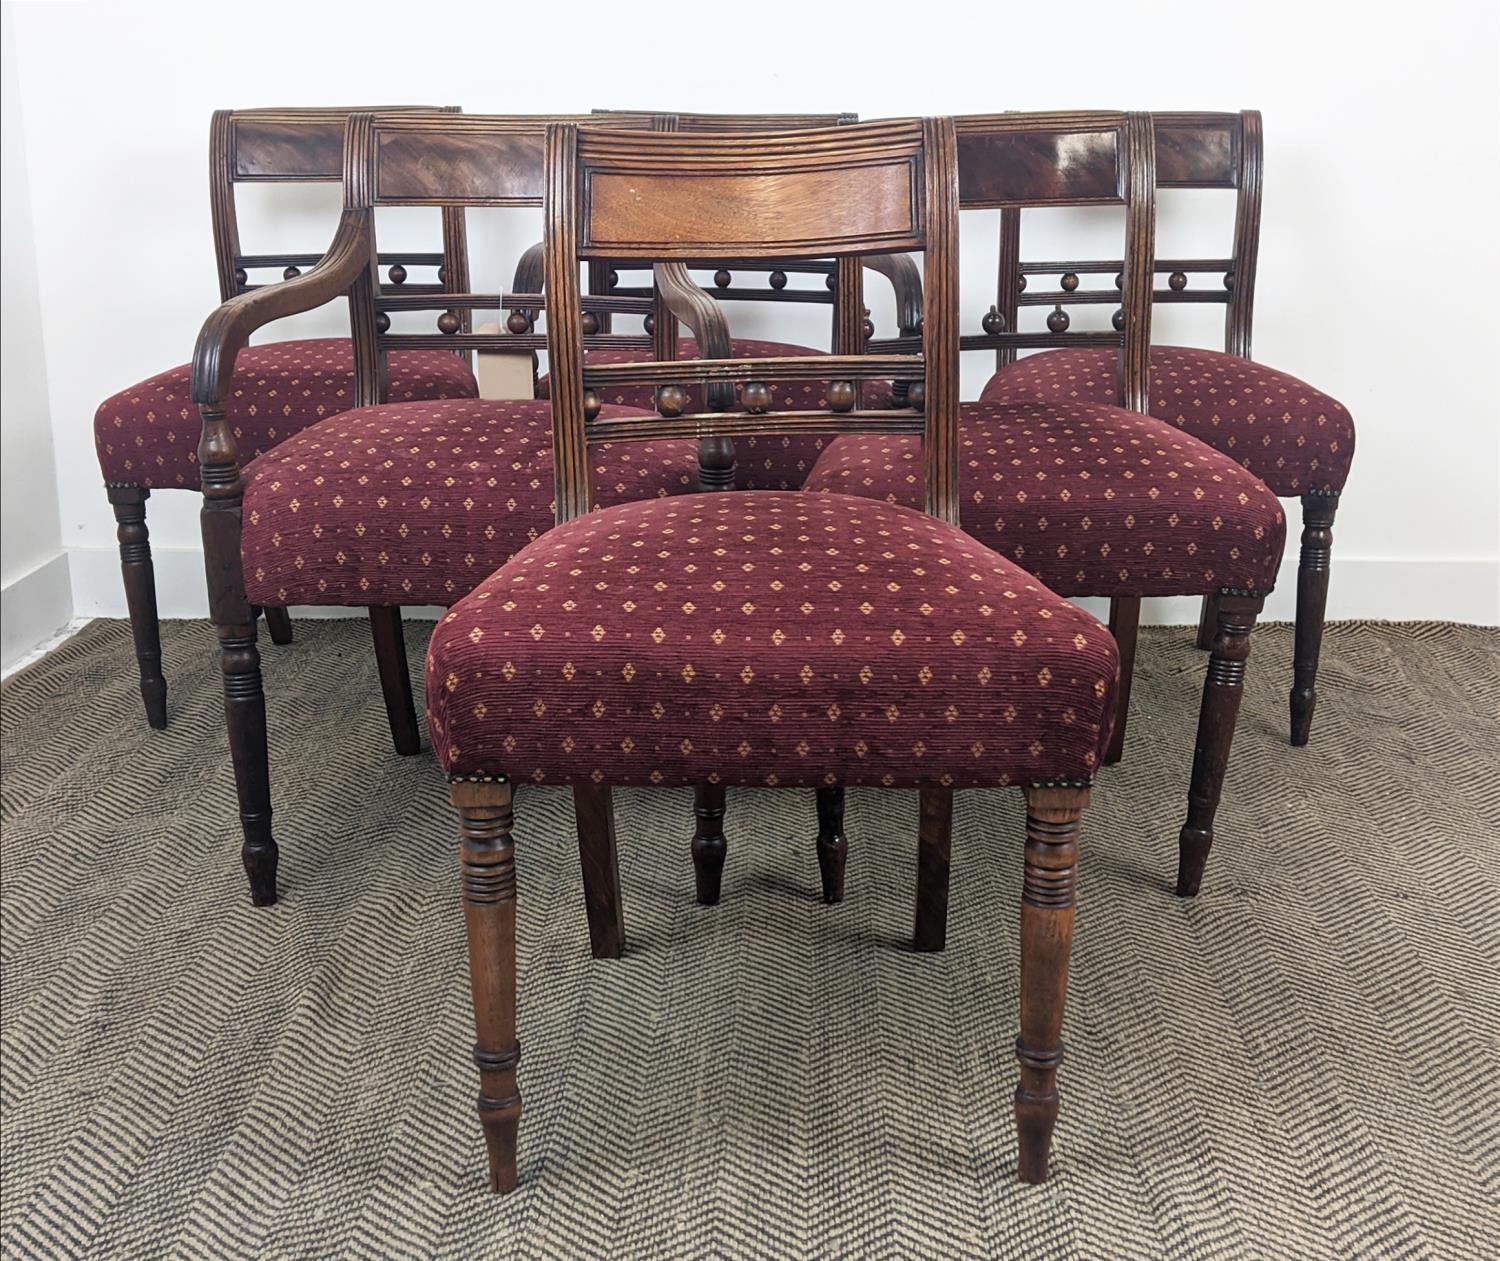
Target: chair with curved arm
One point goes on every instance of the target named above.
(146, 436)
(392, 502)
(1296, 439)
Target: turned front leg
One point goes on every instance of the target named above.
(233, 619)
(1048, 898)
(139, 573)
(488, 875)
(833, 846)
(1312, 605)
(1223, 688)
(709, 845)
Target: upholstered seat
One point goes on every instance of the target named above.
(763, 462)
(770, 638)
(414, 503)
(148, 435)
(1092, 499)
(1293, 437)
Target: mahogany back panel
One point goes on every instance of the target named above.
(1192, 150)
(300, 146)
(677, 199)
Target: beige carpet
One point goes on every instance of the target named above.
(1303, 1062)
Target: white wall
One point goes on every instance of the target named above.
(35, 594)
(1382, 153)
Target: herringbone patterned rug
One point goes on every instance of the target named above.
(1303, 1062)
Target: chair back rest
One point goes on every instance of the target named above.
(455, 161)
(297, 146)
(1192, 150)
(1019, 161)
(678, 200)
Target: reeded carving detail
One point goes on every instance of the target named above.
(487, 870)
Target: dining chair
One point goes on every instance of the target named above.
(1298, 440)
(1092, 498)
(762, 637)
(756, 461)
(392, 503)
(146, 436)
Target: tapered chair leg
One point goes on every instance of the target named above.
(279, 623)
(1223, 689)
(1312, 603)
(239, 659)
(594, 811)
(934, 846)
(129, 503)
(833, 846)
(709, 845)
(488, 875)
(395, 679)
(1124, 625)
(1048, 899)
(1208, 620)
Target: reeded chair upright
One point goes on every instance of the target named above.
(393, 503)
(1095, 498)
(147, 436)
(757, 461)
(766, 638)
(1295, 438)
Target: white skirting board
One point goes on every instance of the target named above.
(1460, 589)
(35, 607)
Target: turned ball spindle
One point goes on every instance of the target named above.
(916, 396)
(756, 396)
(722, 278)
(1120, 280)
(867, 325)
(1229, 280)
(449, 323)
(382, 322)
(650, 323)
(591, 404)
(442, 275)
(778, 280)
(671, 400)
(1177, 281)
(291, 273)
(993, 322)
(397, 274)
(518, 322)
(1118, 319)
(241, 276)
(590, 323)
(1020, 284)
(614, 278)
(842, 396)
(829, 280)
(1058, 321)
(1069, 281)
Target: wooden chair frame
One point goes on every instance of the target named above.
(591, 216)
(489, 161)
(254, 146)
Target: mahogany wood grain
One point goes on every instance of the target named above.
(129, 504)
(395, 679)
(488, 879)
(593, 811)
(1048, 901)
(1222, 692)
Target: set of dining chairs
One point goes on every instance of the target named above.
(687, 559)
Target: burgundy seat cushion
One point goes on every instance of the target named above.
(1294, 438)
(1093, 500)
(148, 435)
(768, 462)
(414, 503)
(768, 638)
